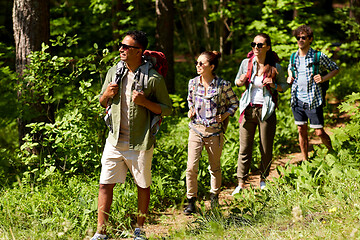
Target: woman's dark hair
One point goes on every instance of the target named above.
(213, 57)
(271, 57)
(139, 37)
(304, 29)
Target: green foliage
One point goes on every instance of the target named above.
(321, 193)
(349, 25)
(345, 83)
(73, 143)
(9, 164)
(55, 210)
(71, 146)
(347, 138)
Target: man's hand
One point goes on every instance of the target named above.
(318, 78)
(111, 90)
(290, 80)
(139, 98)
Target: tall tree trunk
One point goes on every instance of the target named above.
(295, 13)
(221, 27)
(31, 24)
(355, 10)
(117, 6)
(227, 36)
(206, 24)
(165, 37)
(224, 30)
(188, 24)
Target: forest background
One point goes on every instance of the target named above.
(52, 130)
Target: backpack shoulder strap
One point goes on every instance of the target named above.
(316, 63)
(219, 89)
(293, 65)
(249, 71)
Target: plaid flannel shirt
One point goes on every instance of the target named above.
(314, 91)
(229, 101)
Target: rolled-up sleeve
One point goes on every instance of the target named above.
(162, 96)
(327, 63)
(190, 93)
(242, 69)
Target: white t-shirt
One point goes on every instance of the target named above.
(301, 92)
(257, 94)
(126, 95)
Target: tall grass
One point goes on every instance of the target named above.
(318, 199)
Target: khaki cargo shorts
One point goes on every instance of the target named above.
(116, 160)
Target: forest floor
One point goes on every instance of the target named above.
(162, 224)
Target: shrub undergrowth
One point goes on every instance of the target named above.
(55, 196)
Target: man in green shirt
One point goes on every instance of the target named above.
(136, 93)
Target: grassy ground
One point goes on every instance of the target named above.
(318, 199)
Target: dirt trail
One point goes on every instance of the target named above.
(172, 219)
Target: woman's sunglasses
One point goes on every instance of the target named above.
(200, 63)
(302, 37)
(126, 47)
(259, 45)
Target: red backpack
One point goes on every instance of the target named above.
(159, 61)
(273, 93)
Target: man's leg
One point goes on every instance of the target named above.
(143, 205)
(301, 116)
(316, 117)
(320, 132)
(303, 140)
(104, 203)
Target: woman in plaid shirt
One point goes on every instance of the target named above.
(211, 101)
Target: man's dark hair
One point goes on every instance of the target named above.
(139, 37)
(304, 29)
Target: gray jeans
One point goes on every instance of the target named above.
(247, 134)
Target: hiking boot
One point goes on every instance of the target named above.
(99, 236)
(190, 208)
(139, 234)
(214, 200)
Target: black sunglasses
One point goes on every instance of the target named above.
(200, 63)
(259, 45)
(126, 47)
(302, 37)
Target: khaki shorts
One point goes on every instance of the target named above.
(116, 160)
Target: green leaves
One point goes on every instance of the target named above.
(73, 143)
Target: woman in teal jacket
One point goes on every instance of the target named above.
(263, 77)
